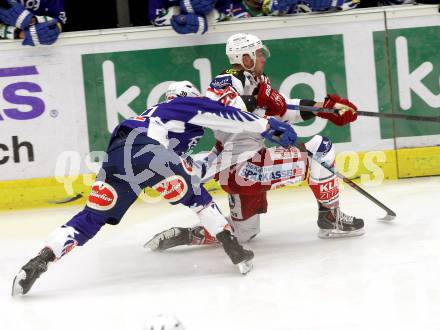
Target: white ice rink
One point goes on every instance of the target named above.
(387, 279)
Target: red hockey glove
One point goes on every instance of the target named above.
(346, 114)
(271, 100)
(263, 79)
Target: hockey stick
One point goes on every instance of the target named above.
(66, 200)
(434, 119)
(390, 213)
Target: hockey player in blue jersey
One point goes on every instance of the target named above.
(149, 151)
(260, 168)
(36, 22)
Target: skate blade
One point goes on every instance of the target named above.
(245, 266)
(153, 244)
(335, 233)
(17, 289)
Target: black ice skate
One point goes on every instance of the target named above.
(333, 223)
(29, 273)
(239, 256)
(178, 236)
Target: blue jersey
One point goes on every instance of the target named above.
(52, 8)
(179, 124)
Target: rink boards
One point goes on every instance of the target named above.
(370, 170)
(59, 104)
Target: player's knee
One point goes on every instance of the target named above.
(247, 206)
(322, 148)
(102, 200)
(319, 144)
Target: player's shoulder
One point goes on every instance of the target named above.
(230, 77)
(239, 74)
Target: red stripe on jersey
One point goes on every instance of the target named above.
(225, 95)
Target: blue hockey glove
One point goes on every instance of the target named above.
(17, 15)
(280, 133)
(42, 33)
(189, 23)
(199, 7)
(8, 31)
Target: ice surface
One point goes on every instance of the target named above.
(387, 279)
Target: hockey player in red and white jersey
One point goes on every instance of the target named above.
(251, 168)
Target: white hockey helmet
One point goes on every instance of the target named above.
(240, 44)
(163, 322)
(181, 88)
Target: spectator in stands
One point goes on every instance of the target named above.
(194, 16)
(270, 7)
(36, 22)
(289, 7)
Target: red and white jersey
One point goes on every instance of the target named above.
(228, 87)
